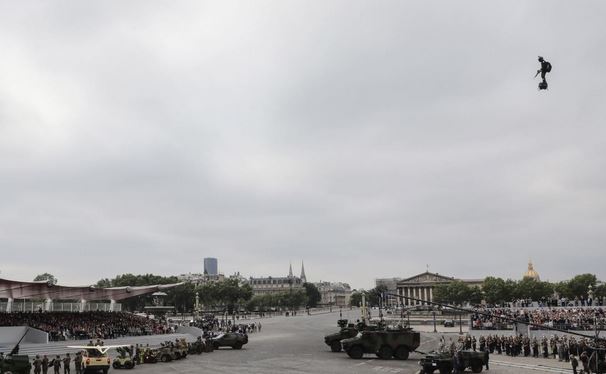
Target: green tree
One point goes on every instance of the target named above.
(356, 298)
(374, 296)
(496, 291)
(313, 295)
(441, 294)
(48, 277)
(459, 292)
(231, 293)
(529, 288)
(600, 291)
(455, 292)
(475, 295)
(183, 297)
(579, 285)
(294, 299)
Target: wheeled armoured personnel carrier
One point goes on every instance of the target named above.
(385, 343)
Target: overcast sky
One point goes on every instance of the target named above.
(367, 138)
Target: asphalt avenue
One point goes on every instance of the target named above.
(296, 345)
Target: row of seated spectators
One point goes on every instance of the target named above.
(85, 325)
(562, 318)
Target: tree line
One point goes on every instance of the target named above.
(498, 291)
(229, 295)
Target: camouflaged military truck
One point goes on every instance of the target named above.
(385, 343)
(443, 361)
(347, 331)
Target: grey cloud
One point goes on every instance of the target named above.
(368, 139)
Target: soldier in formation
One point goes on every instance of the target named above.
(66, 364)
(45, 364)
(56, 363)
(37, 364)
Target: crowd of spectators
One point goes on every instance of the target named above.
(561, 318)
(86, 325)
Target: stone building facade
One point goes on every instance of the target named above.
(334, 293)
(421, 286)
(275, 285)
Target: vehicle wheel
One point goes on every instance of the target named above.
(116, 365)
(177, 356)
(445, 369)
(129, 365)
(401, 353)
(105, 371)
(237, 346)
(355, 352)
(216, 345)
(165, 358)
(477, 366)
(335, 346)
(428, 370)
(385, 352)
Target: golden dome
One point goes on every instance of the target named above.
(531, 273)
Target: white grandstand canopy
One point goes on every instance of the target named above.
(10, 289)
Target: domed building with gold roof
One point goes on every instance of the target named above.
(531, 273)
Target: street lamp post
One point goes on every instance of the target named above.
(434, 322)
(460, 325)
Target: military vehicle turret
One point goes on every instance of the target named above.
(14, 362)
(385, 343)
(443, 361)
(347, 331)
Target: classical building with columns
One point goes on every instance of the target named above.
(421, 286)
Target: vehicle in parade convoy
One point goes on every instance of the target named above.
(170, 351)
(443, 361)
(123, 360)
(348, 330)
(16, 364)
(197, 347)
(384, 342)
(95, 357)
(229, 339)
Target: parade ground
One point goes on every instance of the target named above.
(296, 345)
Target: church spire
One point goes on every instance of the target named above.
(290, 271)
(303, 278)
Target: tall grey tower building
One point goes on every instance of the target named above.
(210, 266)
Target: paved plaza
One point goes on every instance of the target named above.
(296, 345)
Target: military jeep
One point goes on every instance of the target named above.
(385, 343)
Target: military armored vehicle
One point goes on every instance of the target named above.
(167, 353)
(196, 347)
(443, 361)
(124, 359)
(16, 364)
(385, 343)
(229, 339)
(347, 331)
